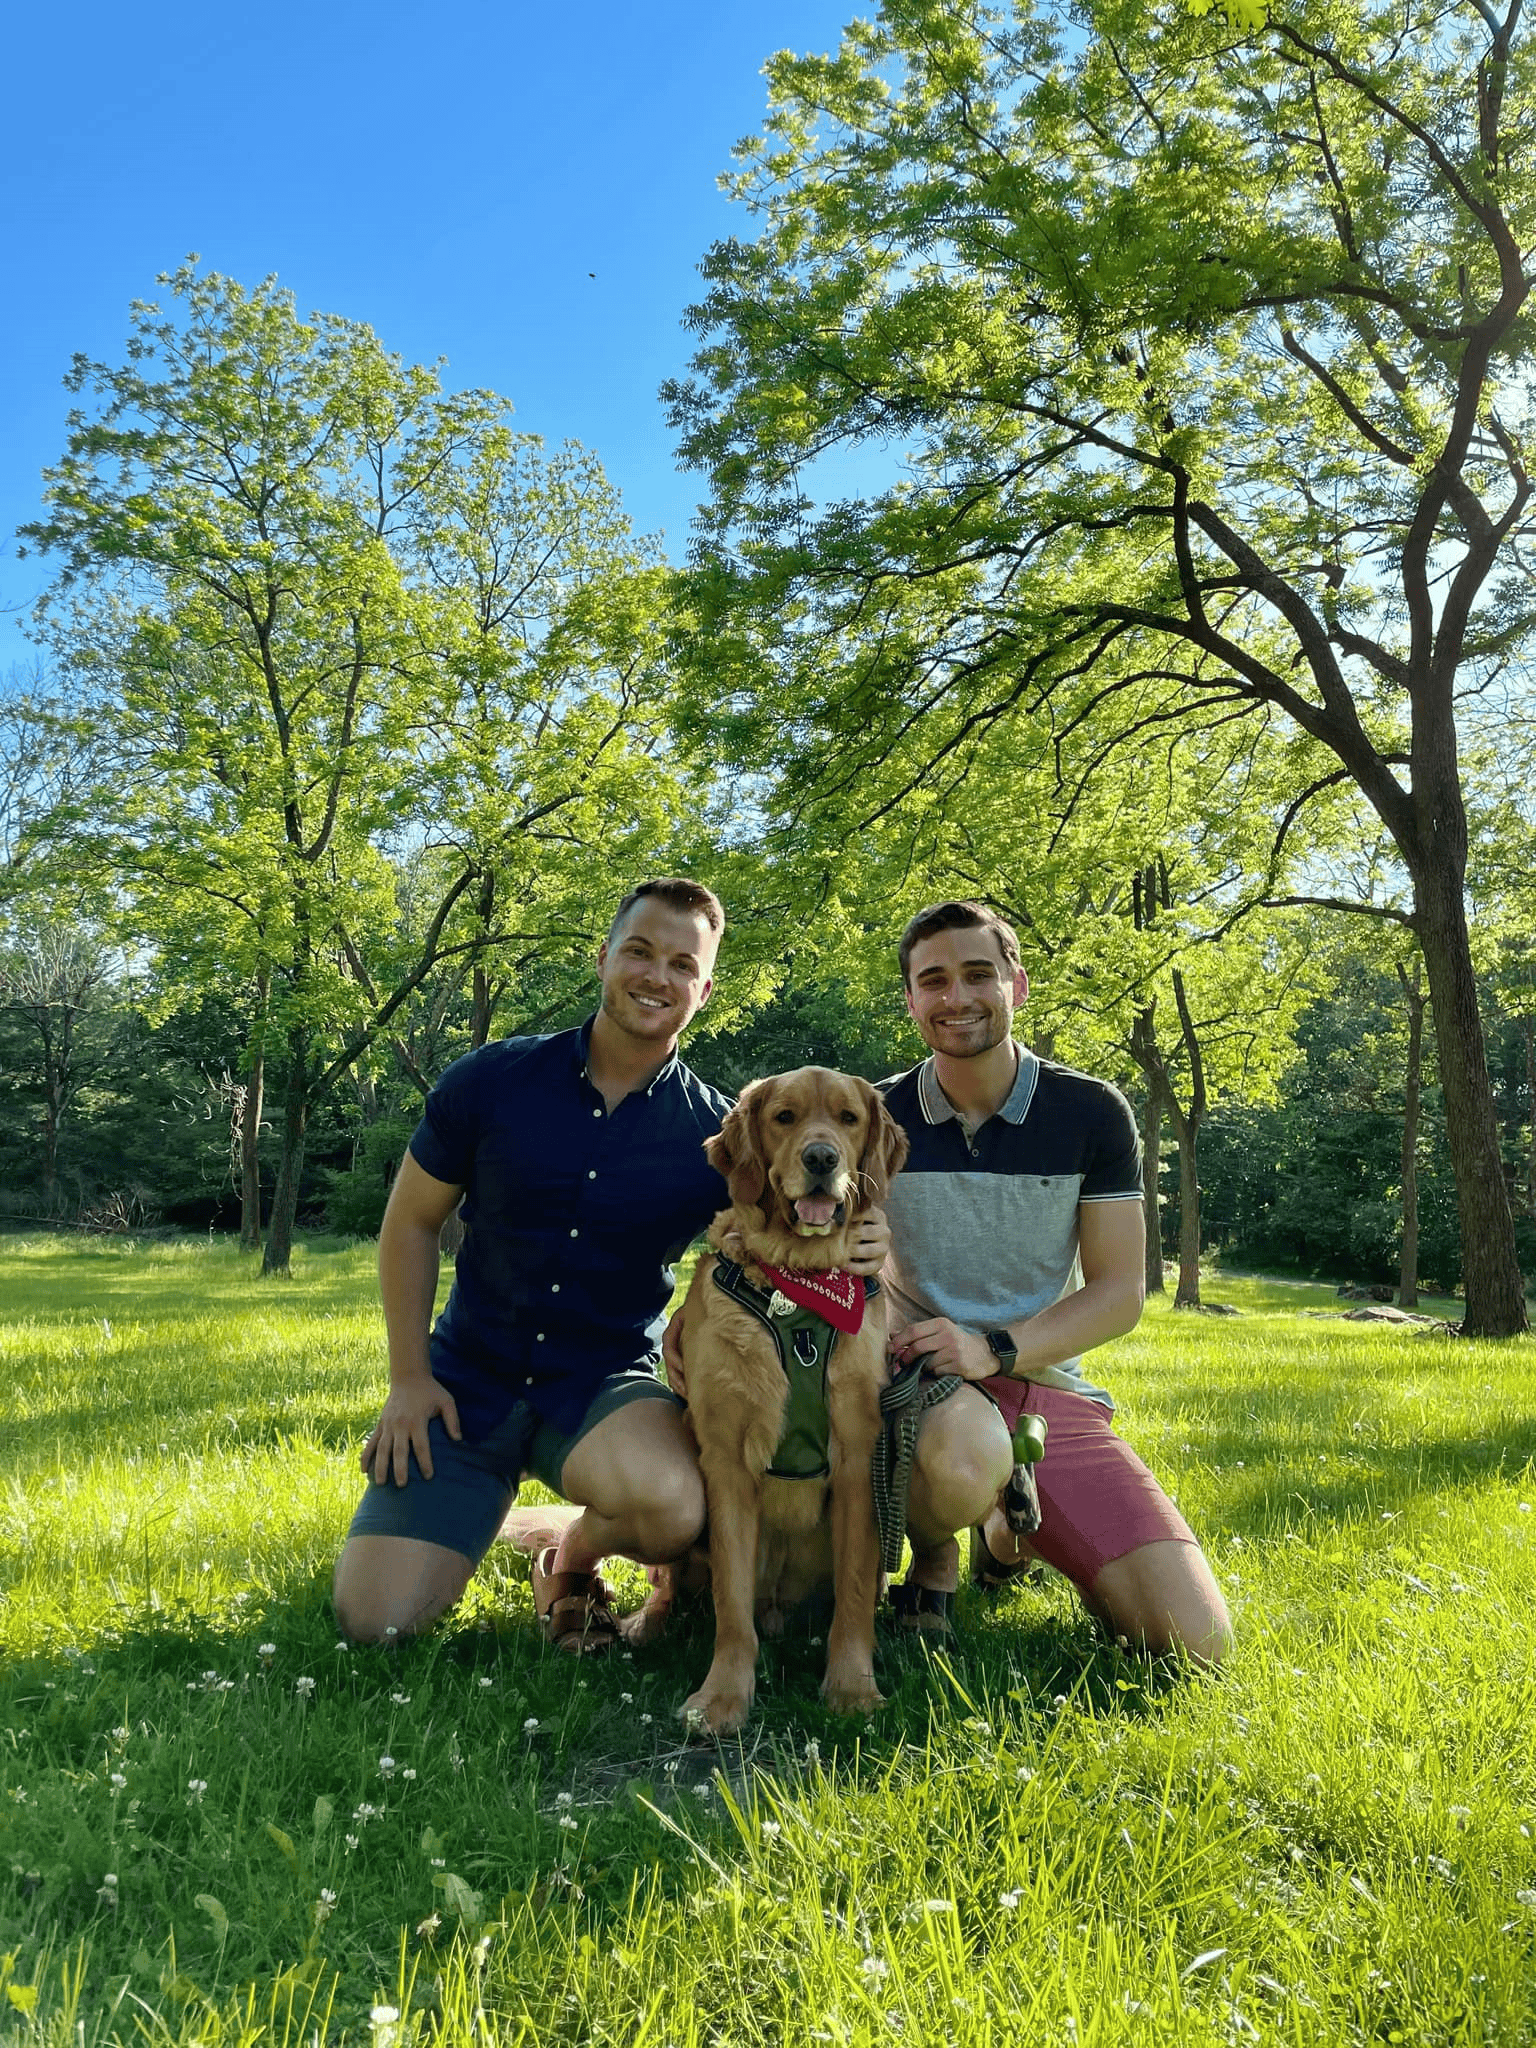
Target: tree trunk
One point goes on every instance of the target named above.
(250, 1122)
(1187, 1294)
(480, 1010)
(1491, 1282)
(1530, 1095)
(1151, 1199)
(285, 1196)
(250, 1154)
(1408, 1276)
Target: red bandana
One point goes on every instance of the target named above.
(837, 1297)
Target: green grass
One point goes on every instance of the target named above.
(1038, 1841)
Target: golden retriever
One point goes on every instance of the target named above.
(804, 1155)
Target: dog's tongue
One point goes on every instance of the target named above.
(817, 1210)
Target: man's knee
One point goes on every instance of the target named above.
(962, 1463)
(669, 1511)
(1164, 1599)
(386, 1587)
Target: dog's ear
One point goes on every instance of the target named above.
(885, 1147)
(736, 1152)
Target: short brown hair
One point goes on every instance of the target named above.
(957, 916)
(681, 894)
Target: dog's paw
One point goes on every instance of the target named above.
(855, 1694)
(716, 1710)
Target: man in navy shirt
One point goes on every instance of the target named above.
(1016, 1228)
(579, 1159)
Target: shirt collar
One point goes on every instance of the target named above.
(584, 1053)
(937, 1107)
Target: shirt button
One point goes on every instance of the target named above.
(575, 1233)
(554, 1287)
(539, 1338)
(597, 1112)
(592, 1173)
(528, 1383)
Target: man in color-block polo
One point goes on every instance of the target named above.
(1016, 1231)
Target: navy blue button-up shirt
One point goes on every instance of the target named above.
(573, 1216)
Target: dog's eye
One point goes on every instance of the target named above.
(850, 1116)
(784, 1116)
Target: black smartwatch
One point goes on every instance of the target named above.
(1004, 1350)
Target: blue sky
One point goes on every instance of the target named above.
(449, 176)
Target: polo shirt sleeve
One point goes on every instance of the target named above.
(444, 1142)
(1113, 1171)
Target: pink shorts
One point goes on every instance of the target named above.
(1098, 1501)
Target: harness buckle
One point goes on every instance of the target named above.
(780, 1304)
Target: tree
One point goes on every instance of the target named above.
(262, 606)
(52, 978)
(1203, 349)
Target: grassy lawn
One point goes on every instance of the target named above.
(218, 1825)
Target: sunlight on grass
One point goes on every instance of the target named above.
(219, 1825)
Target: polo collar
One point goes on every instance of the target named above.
(584, 1055)
(938, 1109)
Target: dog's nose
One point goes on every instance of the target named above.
(820, 1159)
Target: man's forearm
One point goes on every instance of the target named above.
(1093, 1315)
(408, 1264)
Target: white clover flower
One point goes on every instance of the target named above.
(703, 1791)
(813, 1751)
(408, 1772)
(425, 1929)
(439, 1862)
(304, 1687)
(20, 1795)
(564, 1798)
(531, 1725)
(401, 1699)
(1525, 1898)
(266, 1649)
(118, 1734)
(117, 1781)
(349, 1842)
(386, 1767)
(1024, 1774)
(569, 1821)
(626, 1699)
(938, 1905)
(487, 1683)
(771, 1828)
(1009, 1901)
(366, 1812)
(196, 1787)
(110, 1880)
(875, 1966)
(646, 1720)
(329, 1897)
(384, 2015)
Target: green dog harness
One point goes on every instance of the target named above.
(805, 1342)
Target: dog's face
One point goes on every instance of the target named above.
(812, 1150)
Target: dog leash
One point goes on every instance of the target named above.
(903, 1402)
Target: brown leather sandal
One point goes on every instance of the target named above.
(575, 1609)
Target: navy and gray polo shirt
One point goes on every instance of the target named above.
(984, 1222)
(573, 1215)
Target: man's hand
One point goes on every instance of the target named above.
(402, 1428)
(945, 1348)
(871, 1245)
(672, 1356)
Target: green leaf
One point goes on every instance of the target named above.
(458, 1896)
(217, 1916)
(285, 1843)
